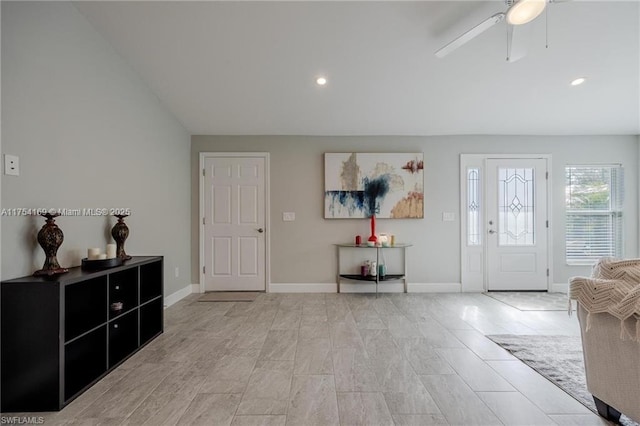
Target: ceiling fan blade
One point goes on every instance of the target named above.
(469, 35)
(518, 39)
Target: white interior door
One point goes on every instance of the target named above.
(234, 224)
(516, 224)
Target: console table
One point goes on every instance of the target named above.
(402, 276)
(61, 334)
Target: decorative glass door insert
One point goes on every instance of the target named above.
(516, 206)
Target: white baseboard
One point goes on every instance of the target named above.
(559, 288)
(364, 288)
(180, 294)
(434, 288)
(371, 288)
(303, 288)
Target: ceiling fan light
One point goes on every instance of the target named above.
(524, 11)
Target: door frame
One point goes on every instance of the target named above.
(476, 281)
(267, 218)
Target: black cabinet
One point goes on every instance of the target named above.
(123, 292)
(61, 334)
(123, 337)
(150, 320)
(85, 360)
(85, 303)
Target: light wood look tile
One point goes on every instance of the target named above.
(313, 356)
(579, 420)
(230, 375)
(416, 402)
(512, 408)
(481, 346)
(313, 401)
(362, 409)
(280, 345)
(160, 409)
(458, 403)
(423, 358)
(314, 330)
(268, 389)
(408, 359)
(544, 394)
(259, 421)
(287, 320)
(210, 409)
(353, 371)
(419, 420)
(475, 372)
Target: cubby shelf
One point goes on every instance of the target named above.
(62, 334)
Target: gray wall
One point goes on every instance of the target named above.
(89, 134)
(302, 251)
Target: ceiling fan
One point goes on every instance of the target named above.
(518, 13)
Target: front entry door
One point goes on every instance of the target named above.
(234, 224)
(517, 227)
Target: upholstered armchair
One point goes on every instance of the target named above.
(608, 308)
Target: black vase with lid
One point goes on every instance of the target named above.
(50, 239)
(120, 232)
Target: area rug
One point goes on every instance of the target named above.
(229, 296)
(559, 359)
(532, 301)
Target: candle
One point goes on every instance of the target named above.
(101, 256)
(92, 253)
(111, 251)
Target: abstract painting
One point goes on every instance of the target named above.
(358, 185)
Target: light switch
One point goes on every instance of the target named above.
(11, 165)
(448, 216)
(288, 216)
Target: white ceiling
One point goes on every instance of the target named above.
(250, 67)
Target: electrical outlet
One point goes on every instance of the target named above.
(11, 165)
(448, 216)
(288, 216)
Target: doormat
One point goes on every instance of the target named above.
(229, 296)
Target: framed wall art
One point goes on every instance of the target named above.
(387, 185)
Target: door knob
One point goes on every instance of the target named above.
(260, 230)
(491, 231)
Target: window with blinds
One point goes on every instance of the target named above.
(594, 196)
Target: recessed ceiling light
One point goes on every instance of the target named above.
(578, 81)
(321, 81)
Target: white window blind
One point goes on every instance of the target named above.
(594, 196)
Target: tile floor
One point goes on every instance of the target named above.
(329, 359)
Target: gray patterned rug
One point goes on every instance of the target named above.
(559, 359)
(532, 301)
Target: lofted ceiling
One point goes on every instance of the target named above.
(244, 67)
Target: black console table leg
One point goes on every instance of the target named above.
(607, 411)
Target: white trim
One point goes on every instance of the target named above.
(479, 160)
(267, 210)
(559, 288)
(365, 288)
(303, 288)
(434, 287)
(180, 294)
